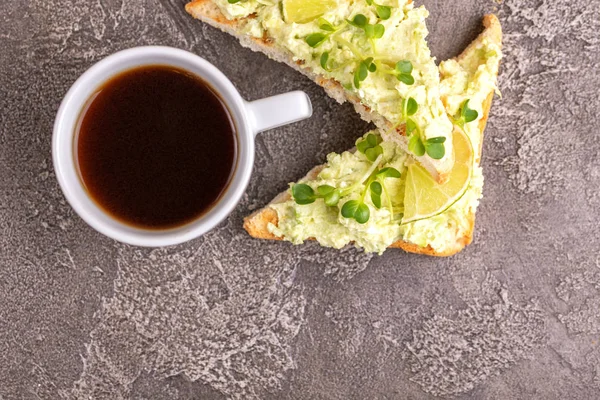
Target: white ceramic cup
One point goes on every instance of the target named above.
(250, 118)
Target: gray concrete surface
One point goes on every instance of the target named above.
(515, 316)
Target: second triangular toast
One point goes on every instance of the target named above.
(258, 223)
(404, 38)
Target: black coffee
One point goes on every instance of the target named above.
(156, 147)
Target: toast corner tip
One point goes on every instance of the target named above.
(492, 24)
(257, 223)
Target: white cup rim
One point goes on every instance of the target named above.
(65, 163)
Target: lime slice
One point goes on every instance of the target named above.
(303, 11)
(424, 197)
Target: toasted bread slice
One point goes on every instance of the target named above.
(257, 223)
(208, 12)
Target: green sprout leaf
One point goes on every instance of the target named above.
(371, 31)
(357, 210)
(435, 147)
(373, 153)
(359, 21)
(370, 2)
(356, 79)
(388, 172)
(303, 194)
(324, 59)
(467, 114)
(378, 31)
(415, 145)
(325, 190)
(370, 64)
(406, 79)
(410, 106)
(362, 213)
(233, 1)
(332, 199)
(374, 31)
(439, 139)
(362, 71)
(404, 72)
(362, 146)
(315, 39)
(349, 208)
(383, 12)
(372, 140)
(404, 67)
(435, 150)
(376, 190)
(325, 25)
(411, 126)
(360, 74)
(370, 147)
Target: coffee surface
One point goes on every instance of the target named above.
(156, 147)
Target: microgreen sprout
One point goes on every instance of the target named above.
(434, 147)
(304, 194)
(376, 189)
(415, 144)
(388, 172)
(409, 107)
(325, 25)
(315, 39)
(357, 210)
(370, 147)
(361, 73)
(323, 61)
(383, 12)
(331, 195)
(403, 72)
(465, 115)
(359, 21)
(372, 31)
(380, 176)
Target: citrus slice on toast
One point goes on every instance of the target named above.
(424, 197)
(303, 11)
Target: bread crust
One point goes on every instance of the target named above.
(208, 12)
(257, 223)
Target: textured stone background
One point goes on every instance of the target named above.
(516, 315)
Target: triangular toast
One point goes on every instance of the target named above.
(209, 12)
(257, 223)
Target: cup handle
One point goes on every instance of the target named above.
(283, 109)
